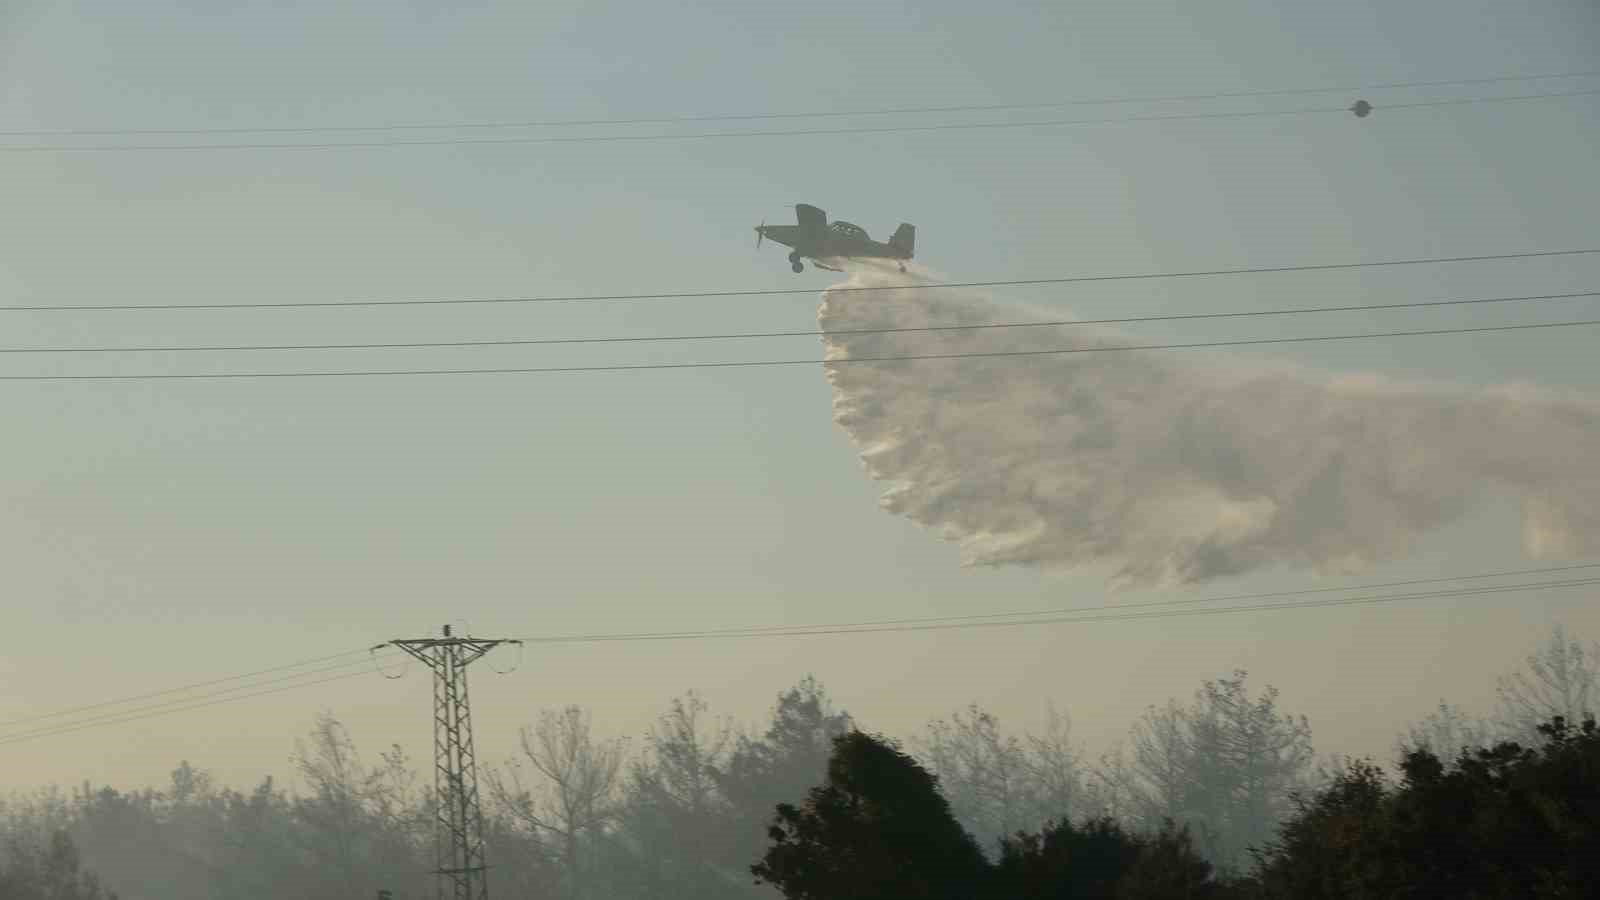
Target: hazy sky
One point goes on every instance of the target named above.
(158, 533)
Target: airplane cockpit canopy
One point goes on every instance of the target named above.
(846, 229)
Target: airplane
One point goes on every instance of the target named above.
(815, 239)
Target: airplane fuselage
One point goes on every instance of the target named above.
(814, 238)
(831, 246)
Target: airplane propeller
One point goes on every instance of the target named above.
(760, 233)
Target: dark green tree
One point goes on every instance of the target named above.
(877, 829)
(1100, 860)
(1498, 822)
(778, 766)
(1170, 868)
(1324, 849)
(1067, 861)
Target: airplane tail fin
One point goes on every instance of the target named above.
(905, 238)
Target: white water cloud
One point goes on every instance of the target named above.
(1184, 468)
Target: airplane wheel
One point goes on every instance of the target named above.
(797, 266)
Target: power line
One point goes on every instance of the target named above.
(523, 342)
(118, 715)
(775, 292)
(798, 132)
(1036, 613)
(937, 623)
(750, 364)
(830, 114)
(175, 690)
(1459, 101)
(68, 728)
(1067, 618)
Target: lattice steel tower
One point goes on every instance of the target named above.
(458, 816)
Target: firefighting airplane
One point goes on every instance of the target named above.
(815, 239)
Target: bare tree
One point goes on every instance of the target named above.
(1053, 766)
(1561, 678)
(573, 794)
(1445, 732)
(331, 768)
(1109, 787)
(1256, 756)
(683, 754)
(981, 771)
(674, 808)
(1227, 764)
(1157, 778)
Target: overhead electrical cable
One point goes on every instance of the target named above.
(1106, 613)
(524, 342)
(175, 690)
(768, 363)
(68, 728)
(118, 714)
(1064, 618)
(1460, 101)
(827, 114)
(764, 133)
(843, 289)
(1057, 610)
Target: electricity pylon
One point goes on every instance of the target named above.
(458, 816)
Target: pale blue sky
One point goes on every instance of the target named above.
(163, 532)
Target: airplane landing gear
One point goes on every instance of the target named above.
(795, 263)
(902, 268)
(797, 267)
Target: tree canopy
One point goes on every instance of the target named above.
(1507, 820)
(877, 829)
(51, 871)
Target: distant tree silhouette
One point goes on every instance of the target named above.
(49, 872)
(777, 766)
(999, 783)
(981, 770)
(572, 794)
(1226, 765)
(674, 816)
(1058, 782)
(878, 829)
(1559, 678)
(1446, 731)
(1461, 816)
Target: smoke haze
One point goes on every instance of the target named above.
(1180, 468)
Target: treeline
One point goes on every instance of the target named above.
(686, 811)
(1507, 821)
